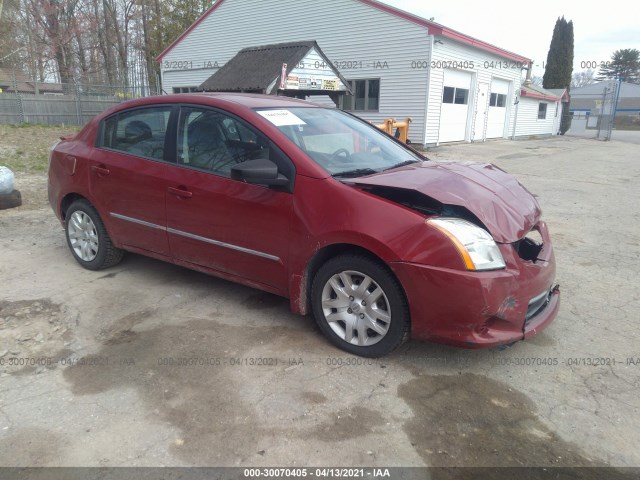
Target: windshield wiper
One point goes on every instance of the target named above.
(402, 164)
(358, 172)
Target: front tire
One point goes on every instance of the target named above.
(360, 306)
(88, 239)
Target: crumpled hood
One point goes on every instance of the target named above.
(505, 207)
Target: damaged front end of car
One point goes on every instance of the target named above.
(504, 288)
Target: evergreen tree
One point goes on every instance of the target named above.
(624, 64)
(559, 67)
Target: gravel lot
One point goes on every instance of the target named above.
(149, 364)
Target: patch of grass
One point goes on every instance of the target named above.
(25, 147)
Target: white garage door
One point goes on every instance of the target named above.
(455, 106)
(497, 108)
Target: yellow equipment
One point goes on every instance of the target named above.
(401, 129)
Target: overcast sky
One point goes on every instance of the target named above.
(526, 28)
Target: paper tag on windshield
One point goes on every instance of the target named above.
(281, 118)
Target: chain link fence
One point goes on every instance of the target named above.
(59, 103)
(594, 115)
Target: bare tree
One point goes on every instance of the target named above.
(56, 17)
(9, 47)
(536, 80)
(150, 13)
(114, 42)
(119, 14)
(583, 78)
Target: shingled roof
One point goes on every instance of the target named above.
(537, 92)
(258, 68)
(13, 81)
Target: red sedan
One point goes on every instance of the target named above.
(315, 205)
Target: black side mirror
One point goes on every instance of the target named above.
(260, 171)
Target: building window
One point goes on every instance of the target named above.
(542, 111)
(459, 96)
(185, 89)
(557, 108)
(366, 96)
(498, 100)
(447, 95)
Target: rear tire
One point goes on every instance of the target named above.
(88, 239)
(360, 306)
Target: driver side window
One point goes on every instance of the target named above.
(213, 141)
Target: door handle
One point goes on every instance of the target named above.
(180, 192)
(101, 170)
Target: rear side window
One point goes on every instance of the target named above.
(141, 132)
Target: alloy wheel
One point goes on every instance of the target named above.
(83, 236)
(356, 308)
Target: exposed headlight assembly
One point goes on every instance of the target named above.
(475, 245)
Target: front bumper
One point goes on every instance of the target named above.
(482, 309)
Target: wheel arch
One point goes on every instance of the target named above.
(67, 200)
(301, 303)
(71, 197)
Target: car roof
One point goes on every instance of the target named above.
(249, 100)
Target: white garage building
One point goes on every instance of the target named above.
(455, 88)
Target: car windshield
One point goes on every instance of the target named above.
(340, 143)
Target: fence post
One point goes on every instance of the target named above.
(18, 98)
(601, 116)
(616, 97)
(78, 104)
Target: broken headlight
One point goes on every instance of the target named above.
(475, 245)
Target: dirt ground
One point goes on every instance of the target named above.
(149, 364)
